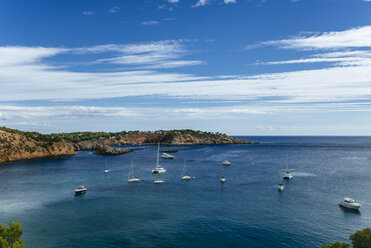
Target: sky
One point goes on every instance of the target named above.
(241, 67)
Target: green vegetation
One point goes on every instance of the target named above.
(10, 236)
(162, 136)
(360, 239)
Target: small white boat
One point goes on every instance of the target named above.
(80, 190)
(158, 181)
(158, 169)
(350, 203)
(226, 163)
(185, 176)
(167, 156)
(288, 175)
(131, 177)
(106, 170)
(222, 178)
(281, 187)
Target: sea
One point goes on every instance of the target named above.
(246, 211)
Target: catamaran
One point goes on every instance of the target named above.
(185, 176)
(131, 177)
(158, 169)
(288, 175)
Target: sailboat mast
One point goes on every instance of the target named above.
(287, 163)
(106, 163)
(185, 167)
(158, 154)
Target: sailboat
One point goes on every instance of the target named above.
(185, 176)
(222, 178)
(106, 170)
(281, 187)
(158, 169)
(158, 180)
(288, 175)
(131, 177)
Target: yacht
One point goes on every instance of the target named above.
(158, 169)
(288, 175)
(131, 177)
(167, 156)
(80, 190)
(226, 163)
(350, 203)
(281, 187)
(185, 176)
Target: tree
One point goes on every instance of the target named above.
(10, 236)
(362, 238)
(337, 245)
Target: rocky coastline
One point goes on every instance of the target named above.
(16, 145)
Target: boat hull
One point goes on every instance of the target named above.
(133, 180)
(352, 206)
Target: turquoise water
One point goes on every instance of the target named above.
(246, 211)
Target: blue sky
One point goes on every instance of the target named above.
(272, 67)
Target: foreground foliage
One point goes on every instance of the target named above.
(10, 236)
(360, 239)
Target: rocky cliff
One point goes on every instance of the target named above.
(15, 147)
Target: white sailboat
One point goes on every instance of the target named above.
(167, 156)
(185, 176)
(106, 170)
(288, 175)
(158, 169)
(281, 187)
(131, 177)
(222, 178)
(226, 163)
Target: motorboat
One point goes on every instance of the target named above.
(80, 190)
(167, 156)
(222, 179)
(350, 203)
(226, 163)
(281, 187)
(131, 177)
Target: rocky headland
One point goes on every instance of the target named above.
(17, 145)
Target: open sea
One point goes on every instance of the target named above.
(246, 211)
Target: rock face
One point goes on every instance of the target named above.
(15, 147)
(107, 150)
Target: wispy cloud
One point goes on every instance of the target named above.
(351, 38)
(230, 1)
(173, 1)
(150, 23)
(113, 10)
(201, 3)
(88, 13)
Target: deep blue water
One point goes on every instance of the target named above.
(246, 211)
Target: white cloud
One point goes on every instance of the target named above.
(150, 23)
(173, 1)
(230, 1)
(114, 9)
(88, 13)
(351, 38)
(201, 3)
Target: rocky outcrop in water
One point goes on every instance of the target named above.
(107, 150)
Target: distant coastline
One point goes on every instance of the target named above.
(16, 145)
